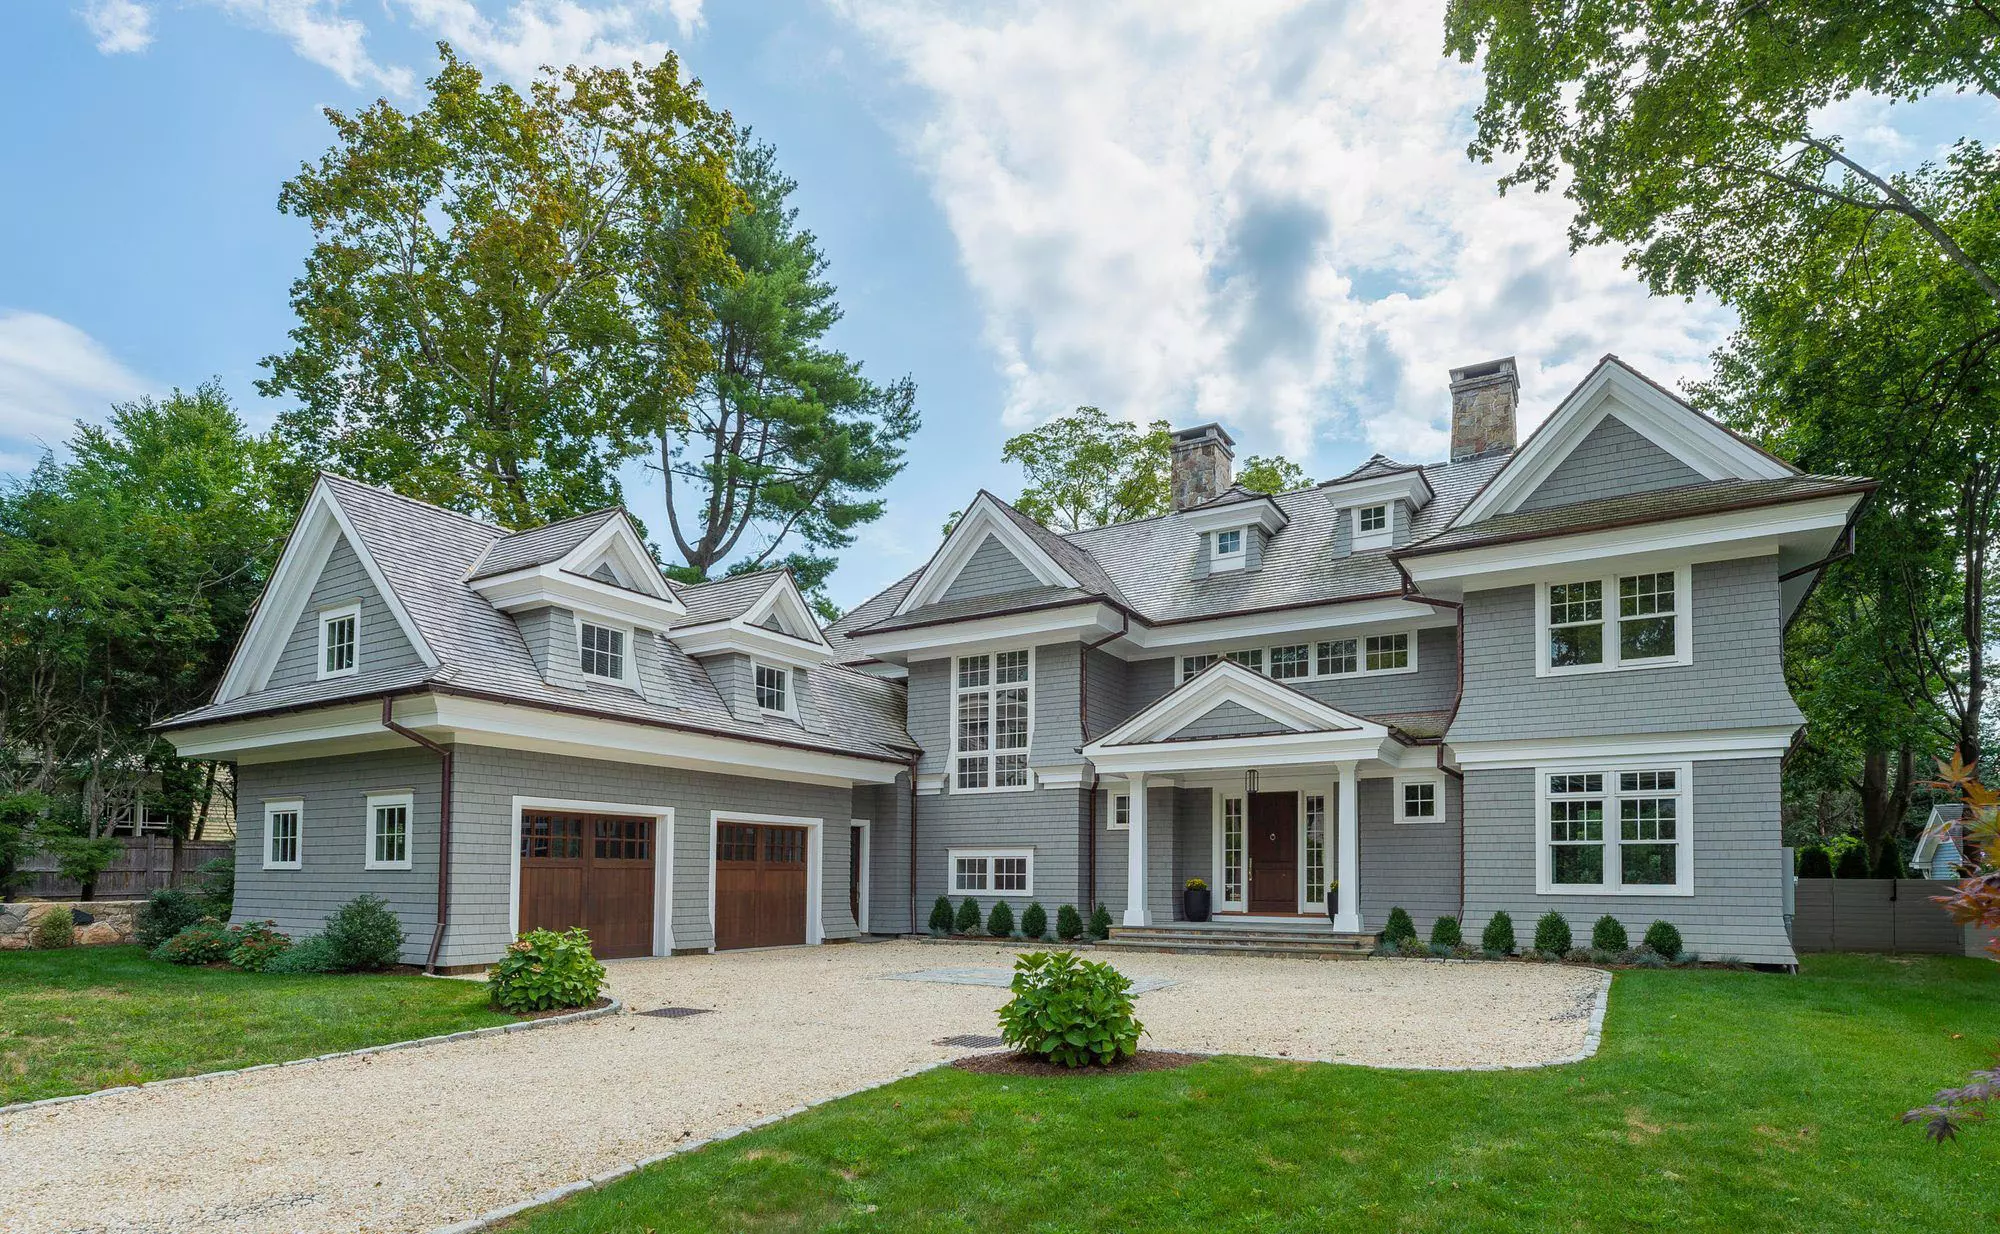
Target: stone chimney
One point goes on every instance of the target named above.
(1202, 465)
(1483, 399)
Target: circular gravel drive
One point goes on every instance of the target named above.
(410, 1140)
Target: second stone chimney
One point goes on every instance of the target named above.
(1483, 399)
(1203, 465)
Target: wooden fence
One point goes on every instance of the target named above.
(1878, 914)
(146, 865)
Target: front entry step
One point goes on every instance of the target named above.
(1241, 940)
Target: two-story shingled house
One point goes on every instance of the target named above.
(1526, 678)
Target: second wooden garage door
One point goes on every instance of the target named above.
(589, 870)
(760, 885)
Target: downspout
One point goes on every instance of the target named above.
(1457, 607)
(444, 824)
(1083, 727)
(913, 842)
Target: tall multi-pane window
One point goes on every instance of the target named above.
(1388, 651)
(281, 834)
(1315, 846)
(1576, 830)
(1618, 831)
(993, 702)
(603, 651)
(1648, 828)
(1232, 850)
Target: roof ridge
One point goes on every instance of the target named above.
(414, 501)
(611, 509)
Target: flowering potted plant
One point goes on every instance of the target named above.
(1194, 900)
(1332, 899)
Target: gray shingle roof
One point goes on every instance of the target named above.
(1659, 505)
(726, 598)
(1377, 465)
(540, 545)
(974, 606)
(425, 554)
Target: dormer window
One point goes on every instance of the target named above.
(339, 642)
(1374, 518)
(603, 651)
(774, 692)
(1228, 553)
(1372, 527)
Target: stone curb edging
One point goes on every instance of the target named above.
(495, 1216)
(495, 1030)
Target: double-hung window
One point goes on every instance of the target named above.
(992, 700)
(388, 831)
(1618, 621)
(1337, 658)
(603, 650)
(1006, 872)
(340, 642)
(1619, 831)
(281, 834)
(773, 690)
(1121, 813)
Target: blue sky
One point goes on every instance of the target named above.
(1258, 212)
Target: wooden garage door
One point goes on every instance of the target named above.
(589, 870)
(760, 885)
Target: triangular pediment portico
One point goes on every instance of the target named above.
(1180, 729)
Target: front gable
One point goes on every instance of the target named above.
(778, 627)
(1228, 700)
(1612, 460)
(985, 522)
(991, 570)
(343, 584)
(1229, 719)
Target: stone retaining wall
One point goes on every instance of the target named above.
(111, 921)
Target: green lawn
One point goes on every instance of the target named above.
(96, 1017)
(1729, 1101)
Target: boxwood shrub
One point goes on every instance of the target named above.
(166, 913)
(967, 920)
(543, 970)
(364, 935)
(941, 916)
(1664, 939)
(1608, 935)
(1035, 922)
(1100, 923)
(1400, 926)
(1445, 932)
(1069, 923)
(1552, 935)
(1071, 1012)
(1498, 937)
(1000, 922)
(54, 930)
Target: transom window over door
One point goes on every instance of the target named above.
(1616, 622)
(1618, 831)
(603, 651)
(992, 702)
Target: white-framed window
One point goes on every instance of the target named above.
(1339, 657)
(283, 822)
(1120, 818)
(992, 721)
(1191, 666)
(1229, 553)
(1387, 653)
(603, 651)
(1336, 658)
(1616, 621)
(389, 825)
(1373, 527)
(1373, 518)
(1315, 847)
(774, 690)
(1232, 850)
(1615, 831)
(339, 641)
(1251, 658)
(992, 871)
(1292, 662)
(1419, 799)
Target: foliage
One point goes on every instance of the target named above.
(1195, 884)
(1035, 921)
(1100, 922)
(1498, 937)
(941, 916)
(1445, 932)
(1272, 474)
(543, 970)
(1814, 863)
(166, 913)
(258, 943)
(217, 888)
(1853, 864)
(503, 302)
(781, 433)
(207, 941)
(364, 934)
(1070, 1012)
(1664, 940)
(54, 929)
(1608, 935)
(312, 954)
(967, 920)
(1399, 926)
(1889, 862)
(1000, 922)
(1069, 923)
(81, 859)
(18, 839)
(1086, 469)
(1552, 935)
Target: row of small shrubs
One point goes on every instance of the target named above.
(360, 936)
(1034, 924)
(1609, 943)
(1853, 863)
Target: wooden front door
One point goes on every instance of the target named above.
(760, 885)
(589, 870)
(1274, 852)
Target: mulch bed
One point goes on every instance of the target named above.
(1028, 1065)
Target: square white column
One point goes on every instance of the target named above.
(1347, 917)
(1136, 912)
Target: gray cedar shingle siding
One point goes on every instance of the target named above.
(1165, 808)
(1411, 865)
(992, 570)
(1612, 460)
(887, 809)
(1228, 719)
(380, 644)
(1739, 867)
(1048, 821)
(1736, 680)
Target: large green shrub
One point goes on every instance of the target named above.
(257, 944)
(1889, 862)
(217, 888)
(1399, 928)
(1552, 935)
(1100, 922)
(207, 941)
(1814, 863)
(1608, 935)
(1853, 863)
(941, 916)
(1000, 923)
(1069, 923)
(1663, 938)
(1035, 922)
(54, 930)
(1445, 932)
(1070, 1012)
(1499, 935)
(364, 935)
(308, 955)
(967, 920)
(543, 970)
(166, 913)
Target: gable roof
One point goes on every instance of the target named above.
(1228, 683)
(541, 545)
(727, 598)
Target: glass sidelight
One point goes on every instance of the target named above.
(1232, 850)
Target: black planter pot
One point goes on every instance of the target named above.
(1195, 904)
(1332, 903)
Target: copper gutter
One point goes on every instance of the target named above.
(444, 823)
(1083, 727)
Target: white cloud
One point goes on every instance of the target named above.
(533, 33)
(51, 375)
(321, 32)
(119, 25)
(1258, 211)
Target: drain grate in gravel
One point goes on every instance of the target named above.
(972, 1041)
(677, 1013)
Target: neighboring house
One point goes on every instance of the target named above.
(1941, 848)
(1522, 679)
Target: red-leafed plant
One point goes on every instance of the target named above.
(1975, 901)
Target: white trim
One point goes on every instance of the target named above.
(618, 538)
(1111, 822)
(1220, 562)
(390, 800)
(1383, 536)
(1398, 812)
(742, 633)
(549, 586)
(1613, 831)
(1227, 681)
(663, 859)
(1409, 484)
(1614, 388)
(789, 688)
(992, 752)
(1257, 512)
(327, 617)
(1312, 645)
(815, 864)
(628, 656)
(297, 809)
(1683, 747)
(982, 518)
(867, 830)
(952, 856)
(1609, 620)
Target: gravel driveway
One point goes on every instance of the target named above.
(410, 1140)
